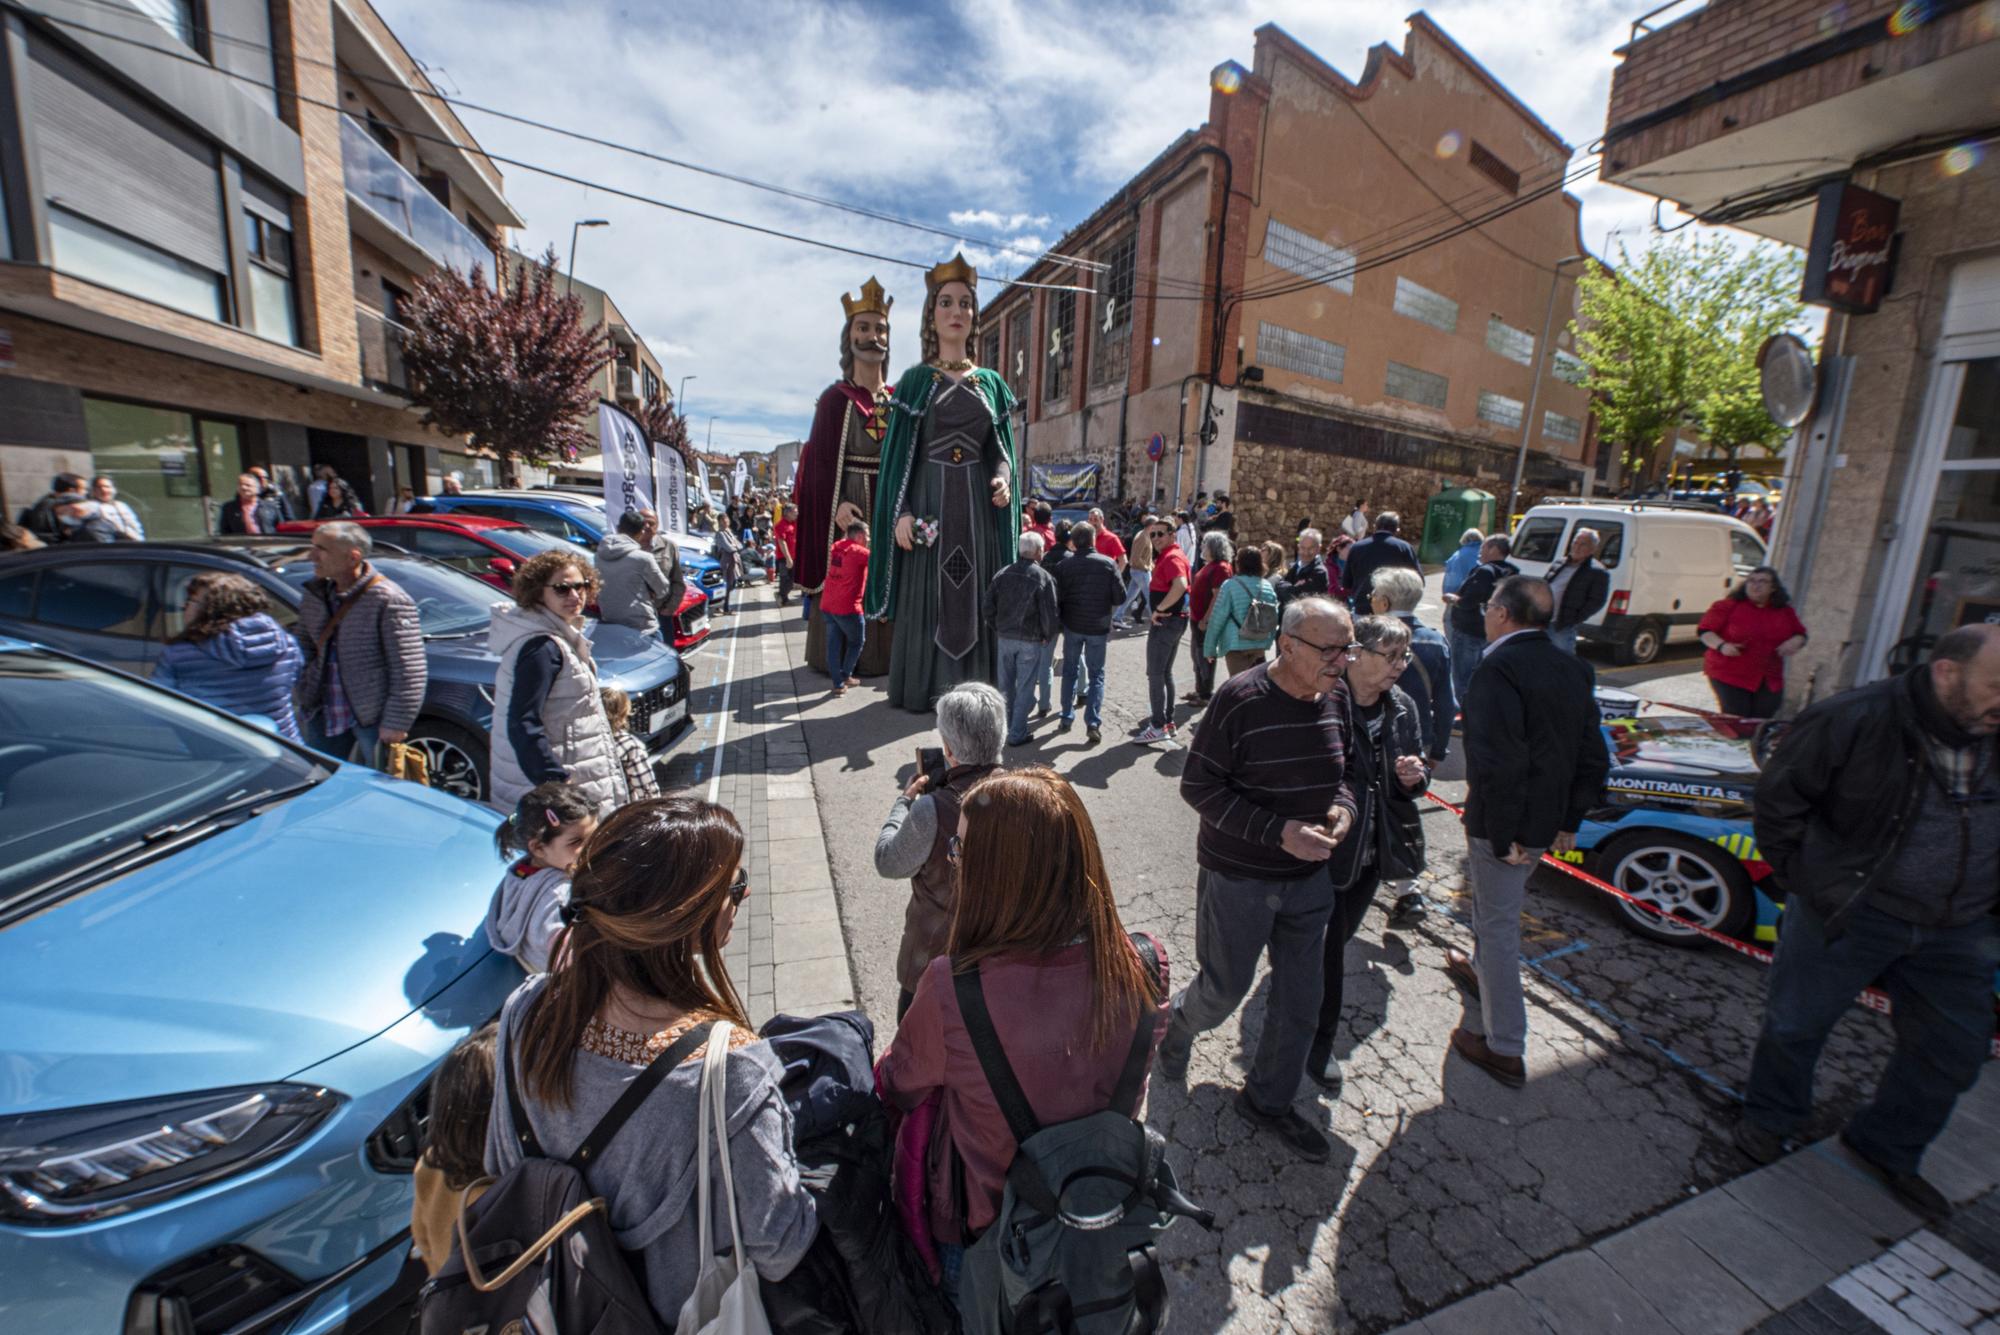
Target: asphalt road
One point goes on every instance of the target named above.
(1442, 1181)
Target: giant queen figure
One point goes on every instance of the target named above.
(838, 466)
(947, 498)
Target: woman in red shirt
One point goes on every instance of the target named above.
(1749, 634)
(1064, 986)
(1217, 555)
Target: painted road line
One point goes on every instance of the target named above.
(722, 724)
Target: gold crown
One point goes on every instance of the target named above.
(953, 270)
(872, 301)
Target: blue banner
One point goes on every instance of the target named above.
(1064, 484)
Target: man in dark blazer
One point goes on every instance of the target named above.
(251, 511)
(1535, 763)
(1581, 587)
(1378, 551)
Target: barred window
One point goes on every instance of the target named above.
(989, 349)
(1420, 303)
(1293, 250)
(1499, 409)
(1060, 353)
(1569, 367)
(1290, 350)
(1516, 345)
(1113, 352)
(1484, 160)
(1018, 354)
(1556, 427)
(1407, 382)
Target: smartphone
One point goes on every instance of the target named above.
(931, 763)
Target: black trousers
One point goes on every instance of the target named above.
(1204, 667)
(1761, 703)
(1349, 908)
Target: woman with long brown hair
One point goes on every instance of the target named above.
(1063, 982)
(231, 653)
(652, 903)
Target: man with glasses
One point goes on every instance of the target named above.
(1168, 601)
(1269, 774)
(1535, 763)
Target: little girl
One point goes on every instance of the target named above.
(454, 1144)
(547, 831)
(640, 781)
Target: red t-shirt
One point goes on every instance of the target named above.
(1169, 564)
(1760, 630)
(846, 573)
(1108, 545)
(1201, 596)
(786, 533)
(1048, 535)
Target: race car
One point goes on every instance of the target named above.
(1675, 826)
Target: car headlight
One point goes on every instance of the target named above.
(85, 1163)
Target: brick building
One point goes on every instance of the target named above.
(208, 215)
(1742, 112)
(1331, 381)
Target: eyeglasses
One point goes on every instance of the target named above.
(739, 889)
(1400, 659)
(953, 850)
(1348, 650)
(568, 587)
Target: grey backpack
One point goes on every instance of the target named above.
(1072, 1250)
(1260, 622)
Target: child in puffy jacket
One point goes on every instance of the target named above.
(546, 834)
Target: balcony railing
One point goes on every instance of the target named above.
(381, 350)
(379, 181)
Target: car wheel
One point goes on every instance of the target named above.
(1642, 645)
(456, 758)
(1688, 878)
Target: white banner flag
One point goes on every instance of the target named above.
(628, 482)
(670, 485)
(741, 478)
(701, 475)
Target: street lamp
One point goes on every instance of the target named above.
(680, 400)
(1535, 389)
(569, 279)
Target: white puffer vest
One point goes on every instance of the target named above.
(573, 713)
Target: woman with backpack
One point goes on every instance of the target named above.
(1243, 620)
(652, 903)
(1037, 936)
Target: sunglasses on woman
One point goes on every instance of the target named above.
(571, 586)
(739, 889)
(953, 850)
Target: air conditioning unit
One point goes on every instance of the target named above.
(628, 384)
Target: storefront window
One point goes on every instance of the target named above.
(1958, 570)
(171, 468)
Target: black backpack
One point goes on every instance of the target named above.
(536, 1254)
(1073, 1247)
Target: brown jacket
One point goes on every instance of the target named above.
(934, 887)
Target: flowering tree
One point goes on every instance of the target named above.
(666, 425)
(513, 370)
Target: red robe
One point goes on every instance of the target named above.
(817, 487)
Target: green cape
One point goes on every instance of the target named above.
(906, 412)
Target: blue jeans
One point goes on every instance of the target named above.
(1019, 662)
(1083, 654)
(358, 745)
(1135, 589)
(844, 637)
(1043, 671)
(1465, 652)
(805, 607)
(1940, 980)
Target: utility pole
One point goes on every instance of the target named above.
(1535, 389)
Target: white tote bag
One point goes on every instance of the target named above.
(726, 1298)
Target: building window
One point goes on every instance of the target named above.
(989, 349)
(1570, 368)
(1420, 303)
(649, 384)
(1113, 354)
(1060, 353)
(1295, 252)
(383, 135)
(1018, 352)
(1516, 345)
(176, 16)
(103, 256)
(1408, 383)
(1488, 164)
(1500, 410)
(273, 308)
(1290, 350)
(1561, 429)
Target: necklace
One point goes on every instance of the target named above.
(962, 364)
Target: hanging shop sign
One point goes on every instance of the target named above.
(1853, 251)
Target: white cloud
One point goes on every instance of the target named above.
(1043, 109)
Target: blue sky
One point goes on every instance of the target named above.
(1010, 119)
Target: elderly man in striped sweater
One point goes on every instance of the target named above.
(1269, 775)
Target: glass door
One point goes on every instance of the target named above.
(1957, 574)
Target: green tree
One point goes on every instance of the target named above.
(1670, 341)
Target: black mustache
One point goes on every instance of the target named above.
(872, 345)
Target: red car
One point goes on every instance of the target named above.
(492, 549)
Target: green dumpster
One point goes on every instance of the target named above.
(1448, 515)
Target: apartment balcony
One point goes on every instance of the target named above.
(392, 210)
(381, 350)
(628, 384)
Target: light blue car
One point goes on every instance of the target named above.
(228, 967)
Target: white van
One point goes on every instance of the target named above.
(1668, 562)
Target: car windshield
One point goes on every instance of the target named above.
(94, 764)
(585, 513)
(448, 603)
(526, 542)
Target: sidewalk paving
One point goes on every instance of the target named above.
(1811, 1244)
